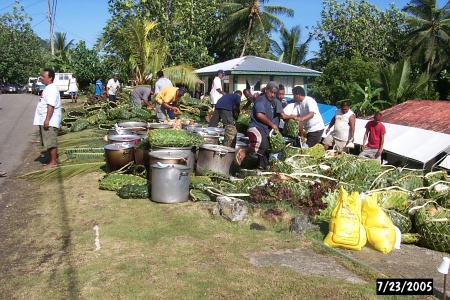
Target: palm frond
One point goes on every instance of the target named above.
(63, 172)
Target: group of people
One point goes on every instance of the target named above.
(268, 114)
(270, 110)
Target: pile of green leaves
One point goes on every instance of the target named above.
(174, 138)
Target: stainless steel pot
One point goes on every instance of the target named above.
(129, 140)
(191, 127)
(133, 124)
(170, 183)
(215, 158)
(219, 130)
(241, 145)
(117, 156)
(122, 131)
(141, 157)
(159, 126)
(188, 151)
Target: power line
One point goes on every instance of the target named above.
(65, 30)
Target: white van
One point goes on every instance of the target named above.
(31, 80)
(62, 82)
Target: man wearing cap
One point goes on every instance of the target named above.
(165, 100)
(374, 134)
(141, 93)
(309, 115)
(344, 128)
(216, 90)
(263, 119)
(112, 87)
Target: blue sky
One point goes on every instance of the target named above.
(85, 19)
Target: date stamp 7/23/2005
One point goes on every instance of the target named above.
(404, 286)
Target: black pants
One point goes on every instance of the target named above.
(221, 114)
(313, 138)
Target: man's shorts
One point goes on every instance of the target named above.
(339, 145)
(73, 93)
(49, 137)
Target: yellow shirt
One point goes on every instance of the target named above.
(167, 95)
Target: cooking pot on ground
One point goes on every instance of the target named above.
(122, 131)
(117, 156)
(188, 151)
(170, 183)
(133, 124)
(129, 140)
(215, 158)
(159, 126)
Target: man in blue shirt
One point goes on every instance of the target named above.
(264, 117)
(98, 86)
(224, 109)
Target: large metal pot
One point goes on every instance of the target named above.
(188, 151)
(215, 158)
(219, 130)
(170, 183)
(159, 126)
(129, 140)
(191, 127)
(122, 131)
(241, 145)
(141, 157)
(117, 156)
(133, 124)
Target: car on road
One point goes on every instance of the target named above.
(31, 80)
(38, 86)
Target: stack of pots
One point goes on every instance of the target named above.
(215, 158)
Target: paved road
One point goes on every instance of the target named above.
(16, 129)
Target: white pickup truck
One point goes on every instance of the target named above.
(62, 82)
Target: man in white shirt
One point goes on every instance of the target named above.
(344, 128)
(216, 90)
(48, 116)
(310, 116)
(161, 83)
(112, 87)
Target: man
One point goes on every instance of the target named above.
(309, 115)
(161, 83)
(225, 107)
(216, 90)
(344, 128)
(263, 117)
(48, 116)
(141, 93)
(250, 99)
(98, 86)
(73, 88)
(375, 132)
(112, 87)
(164, 99)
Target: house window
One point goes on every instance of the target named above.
(288, 82)
(253, 83)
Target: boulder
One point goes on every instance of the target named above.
(300, 224)
(233, 210)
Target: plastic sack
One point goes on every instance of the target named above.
(345, 228)
(379, 228)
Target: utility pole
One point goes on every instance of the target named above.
(52, 42)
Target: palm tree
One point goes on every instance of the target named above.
(366, 101)
(62, 47)
(291, 49)
(397, 83)
(147, 54)
(248, 15)
(429, 38)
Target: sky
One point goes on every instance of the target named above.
(85, 19)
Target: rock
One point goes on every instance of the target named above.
(300, 224)
(232, 210)
(256, 226)
(273, 215)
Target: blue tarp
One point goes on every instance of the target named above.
(326, 111)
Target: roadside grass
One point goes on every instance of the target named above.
(153, 251)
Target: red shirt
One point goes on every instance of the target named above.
(376, 130)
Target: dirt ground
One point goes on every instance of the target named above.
(18, 196)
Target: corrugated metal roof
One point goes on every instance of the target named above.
(431, 115)
(255, 65)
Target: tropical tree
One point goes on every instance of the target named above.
(291, 49)
(398, 82)
(351, 27)
(19, 46)
(429, 36)
(248, 16)
(62, 46)
(366, 100)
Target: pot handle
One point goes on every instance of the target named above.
(223, 153)
(183, 174)
(126, 153)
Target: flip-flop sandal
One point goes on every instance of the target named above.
(46, 166)
(237, 158)
(2, 174)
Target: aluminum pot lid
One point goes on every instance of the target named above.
(123, 137)
(116, 147)
(241, 144)
(168, 154)
(132, 124)
(240, 135)
(169, 166)
(217, 148)
(160, 125)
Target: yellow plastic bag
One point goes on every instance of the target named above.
(345, 228)
(379, 228)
